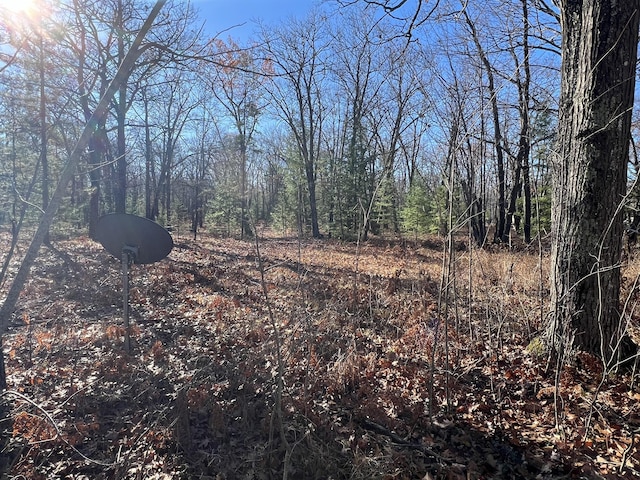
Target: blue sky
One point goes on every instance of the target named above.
(223, 14)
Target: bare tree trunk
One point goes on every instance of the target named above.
(44, 157)
(513, 201)
(497, 132)
(167, 197)
(303, 74)
(148, 163)
(598, 79)
(96, 147)
(525, 141)
(523, 80)
(245, 230)
(526, 190)
(95, 155)
(120, 186)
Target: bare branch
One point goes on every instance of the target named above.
(391, 8)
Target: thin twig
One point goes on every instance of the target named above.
(59, 435)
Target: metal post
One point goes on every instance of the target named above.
(125, 301)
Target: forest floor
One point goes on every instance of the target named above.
(375, 383)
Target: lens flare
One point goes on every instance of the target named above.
(18, 6)
(23, 16)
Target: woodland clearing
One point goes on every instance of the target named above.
(375, 383)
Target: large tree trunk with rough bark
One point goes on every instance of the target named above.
(598, 66)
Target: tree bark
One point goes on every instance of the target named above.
(149, 170)
(120, 184)
(44, 154)
(598, 80)
(525, 140)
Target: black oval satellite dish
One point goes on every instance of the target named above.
(142, 239)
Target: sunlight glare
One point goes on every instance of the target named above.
(18, 6)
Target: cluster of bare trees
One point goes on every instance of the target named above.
(331, 122)
(324, 122)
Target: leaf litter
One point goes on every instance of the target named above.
(371, 388)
